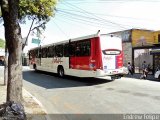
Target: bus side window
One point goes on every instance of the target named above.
(78, 49)
(42, 55)
(30, 55)
(72, 49)
(44, 52)
(86, 46)
(39, 53)
(66, 50)
(51, 51)
(36, 53)
(59, 50)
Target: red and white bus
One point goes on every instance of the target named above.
(94, 55)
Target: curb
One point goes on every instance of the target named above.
(38, 102)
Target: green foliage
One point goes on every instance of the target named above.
(2, 43)
(36, 9)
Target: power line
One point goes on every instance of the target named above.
(89, 19)
(100, 14)
(102, 1)
(86, 19)
(61, 31)
(75, 23)
(79, 15)
(84, 12)
(87, 13)
(85, 22)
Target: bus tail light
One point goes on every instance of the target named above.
(119, 62)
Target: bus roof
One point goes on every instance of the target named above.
(73, 39)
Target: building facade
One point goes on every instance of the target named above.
(137, 45)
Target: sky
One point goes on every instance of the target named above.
(76, 18)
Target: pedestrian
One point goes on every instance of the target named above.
(130, 68)
(144, 70)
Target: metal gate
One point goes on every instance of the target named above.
(141, 55)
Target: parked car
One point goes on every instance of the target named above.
(157, 74)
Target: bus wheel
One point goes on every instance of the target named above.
(60, 71)
(113, 77)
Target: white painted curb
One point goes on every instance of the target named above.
(39, 103)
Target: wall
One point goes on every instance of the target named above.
(127, 52)
(126, 44)
(155, 36)
(142, 38)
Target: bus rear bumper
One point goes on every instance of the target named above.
(116, 72)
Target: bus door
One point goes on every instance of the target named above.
(39, 56)
(72, 58)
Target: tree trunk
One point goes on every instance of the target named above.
(14, 44)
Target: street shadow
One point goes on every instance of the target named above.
(49, 80)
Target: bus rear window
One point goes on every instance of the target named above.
(111, 52)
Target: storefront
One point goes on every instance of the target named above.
(140, 45)
(137, 44)
(140, 55)
(156, 58)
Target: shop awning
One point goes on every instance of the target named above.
(155, 51)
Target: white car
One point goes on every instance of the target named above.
(157, 75)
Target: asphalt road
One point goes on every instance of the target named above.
(71, 95)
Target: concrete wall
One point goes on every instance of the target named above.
(127, 52)
(142, 38)
(155, 35)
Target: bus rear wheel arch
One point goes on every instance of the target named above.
(115, 77)
(60, 71)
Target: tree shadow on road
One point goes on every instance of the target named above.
(50, 80)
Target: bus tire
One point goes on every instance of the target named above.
(113, 77)
(60, 71)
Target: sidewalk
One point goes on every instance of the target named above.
(137, 76)
(33, 108)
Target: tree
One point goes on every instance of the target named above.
(15, 12)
